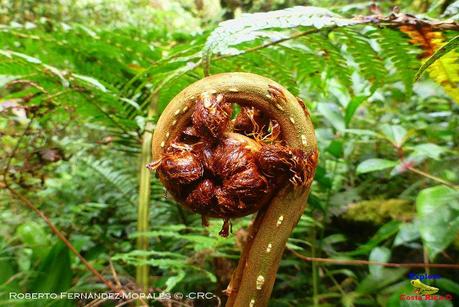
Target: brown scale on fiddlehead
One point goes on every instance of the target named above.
(227, 165)
(211, 116)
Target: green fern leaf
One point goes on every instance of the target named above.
(370, 64)
(250, 27)
(121, 181)
(402, 59)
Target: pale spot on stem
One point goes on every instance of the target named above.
(260, 282)
(268, 249)
(280, 220)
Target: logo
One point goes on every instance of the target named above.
(423, 289)
(423, 276)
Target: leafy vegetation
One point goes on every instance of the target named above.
(83, 83)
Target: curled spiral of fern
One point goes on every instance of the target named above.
(226, 168)
(233, 144)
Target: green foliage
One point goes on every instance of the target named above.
(402, 61)
(199, 245)
(436, 207)
(120, 181)
(54, 274)
(252, 27)
(372, 165)
(7, 282)
(450, 45)
(378, 211)
(34, 237)
(370, 64)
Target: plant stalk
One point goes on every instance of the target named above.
(143, 212)
(315, 281)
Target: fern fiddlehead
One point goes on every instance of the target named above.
(263, 160)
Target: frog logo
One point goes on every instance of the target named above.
(423, 289)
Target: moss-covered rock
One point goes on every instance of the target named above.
(379, 211)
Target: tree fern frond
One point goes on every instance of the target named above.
(172, 84)
(250, 27)
(369, 62)
(401, 55)
(123, 182)
(83, 89)
(336, 64)
(305, 59)
(111, 57)
(445, 71)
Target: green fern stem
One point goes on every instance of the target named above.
(142, 274)
(253, 280)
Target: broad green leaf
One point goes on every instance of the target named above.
(438, 213)
(394, 133)
(446, 284)
(372, 283)
(352, 107)
(385, 232)
(372, 165)
(408, 232)
(336, 148)
(429, 150)
(54, 274)
(34, 236)
(378, 254)
(333, 114)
